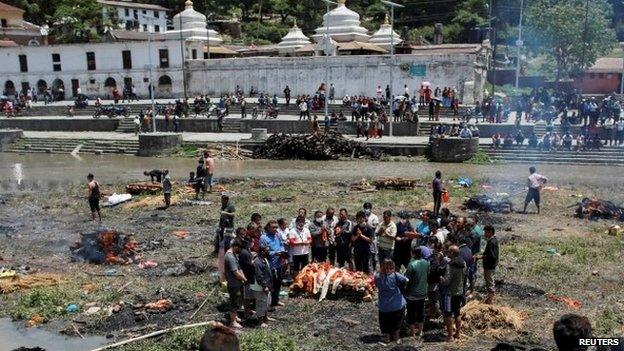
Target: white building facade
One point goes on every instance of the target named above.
(94, 68)
(137, 16)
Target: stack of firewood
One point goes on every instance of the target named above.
(325, 146)
(396, 183)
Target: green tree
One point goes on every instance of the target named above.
(469, 14)
(79, 21)
(557, 29)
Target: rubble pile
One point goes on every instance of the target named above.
(321, 279)
(105, 246)
(599, 209)
(326, 146)
(485, 203)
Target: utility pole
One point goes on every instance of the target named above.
(151, 68)
(183, 62)
(493, 44)
(208, 34)
(519, 45)
(392, 62)
(326, 51)
(584, 46)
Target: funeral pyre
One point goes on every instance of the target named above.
(325, 146)
(323, 278)
(106, 246)
(485, 203)
(599, 209)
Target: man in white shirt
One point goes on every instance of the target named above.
(534, 183)
(299, 240)
(303, 109)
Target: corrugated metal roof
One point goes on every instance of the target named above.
(608, 64)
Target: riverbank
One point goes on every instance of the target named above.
(40, 223)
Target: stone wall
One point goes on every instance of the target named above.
(351, 75)
(7, 136)
(452, 149)
(61, 124)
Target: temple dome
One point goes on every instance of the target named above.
(189, 18)
(344, 25)
(293, 40)
(384, 37)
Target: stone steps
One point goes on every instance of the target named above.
(231, 126)
(606, 156)
(126, 125)
(65, 146)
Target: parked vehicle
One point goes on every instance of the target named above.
(111, 111)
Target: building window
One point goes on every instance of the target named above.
(136, 14)
(144, 12)
(91, 61)
(56, 62)
(194, 54)
(145, 80)
(127, 59)
(3, 23)
(156, 14)
(156, 28)
(23, 63)
(592, 75)
(163, 56)
(600, 75)
(127, 12)
(145, 27)
(92, 81)
(129, 25)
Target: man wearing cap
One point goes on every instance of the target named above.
(373, 221)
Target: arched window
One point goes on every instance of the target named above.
(164, 80)
(9, 88)
(41, 86)
(110, 82)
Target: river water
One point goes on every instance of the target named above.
(12, 337)
(43, 172)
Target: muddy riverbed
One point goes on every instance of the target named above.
(42, 211)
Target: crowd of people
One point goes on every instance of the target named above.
(423, 264)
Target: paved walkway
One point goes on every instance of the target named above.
(219, 137)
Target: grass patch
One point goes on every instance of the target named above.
(46, 302)
(186, 151)
(267, 340)
(609, 323)
(181, 340)
(481, 158)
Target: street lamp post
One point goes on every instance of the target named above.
(208, 15)
(149, 57)
(622, 78)
(326, 51)
(519, 45)
(392, 5)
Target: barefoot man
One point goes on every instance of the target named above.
(93, 195)
(209, 163)
(535, 183)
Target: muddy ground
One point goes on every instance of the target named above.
(37, 230)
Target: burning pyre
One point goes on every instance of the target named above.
(106, 246)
